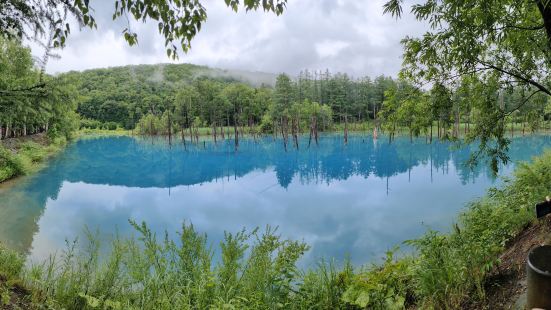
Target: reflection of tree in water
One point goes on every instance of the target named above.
(133, 162)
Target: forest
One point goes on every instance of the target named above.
(158, 99)
(32, 101)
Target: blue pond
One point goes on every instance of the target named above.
(359, 199)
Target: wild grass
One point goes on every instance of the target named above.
(92, 132)
(26, 157)
(10, 164)
(258, 270)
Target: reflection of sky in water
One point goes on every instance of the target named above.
(361, 199)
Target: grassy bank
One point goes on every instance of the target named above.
(20, 156)
(86, 132)
(257, 270)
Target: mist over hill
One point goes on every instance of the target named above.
(175, 74)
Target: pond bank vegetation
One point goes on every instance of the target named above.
(24, 155)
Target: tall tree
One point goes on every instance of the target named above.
(506, 43)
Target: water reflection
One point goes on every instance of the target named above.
(361, 198)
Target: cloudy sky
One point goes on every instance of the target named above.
(349, 36)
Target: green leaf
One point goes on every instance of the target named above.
(363, 299)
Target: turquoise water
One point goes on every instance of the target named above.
(359, 199)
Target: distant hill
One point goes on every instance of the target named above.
(124, 94)
(175, 73)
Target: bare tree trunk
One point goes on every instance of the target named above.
(311, 131)
(430, 140)
(457, 118)
(236, 133)
(169, 130)
(346, 129)
(295, 129)
(283, 134)
(214, 132)
(184, 137)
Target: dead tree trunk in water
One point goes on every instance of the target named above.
(311, 131)
(284, 134)
(346, 129)
(236, 132)
(316, 129)
(295, 129)
(214, 132)
(184, 137)
(169, 130)
(430, 140)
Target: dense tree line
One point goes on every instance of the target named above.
(169, 99)
(125, 94)
(165, 99)
(31, 101)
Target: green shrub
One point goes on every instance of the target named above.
(382, 287)
(11, 165)
(90, 124)
(451, 267)
(110, 126)
(34, 151)
(266, 124)
(255, 271)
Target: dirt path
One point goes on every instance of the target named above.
(506, 286)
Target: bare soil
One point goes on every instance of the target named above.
(19, 296)
(13, 143)
(506, 285)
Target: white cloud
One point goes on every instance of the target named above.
(347, 35)
(330, 48)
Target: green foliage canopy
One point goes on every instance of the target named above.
(501, 45)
